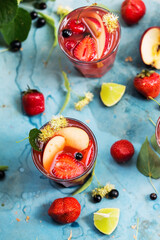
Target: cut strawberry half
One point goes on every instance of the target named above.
(67, 167)
(86, 49)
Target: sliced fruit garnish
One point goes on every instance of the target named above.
(93, 25)
(106, 220)
(53, 146)
(111, 93)
(150, 47)
(85, 50)
(76, 26)
(67, 167)
(88, 154)
(75, 137)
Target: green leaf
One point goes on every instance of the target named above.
(3, 168)
(148, 162)
(33, 135)
(51, 22)
(68, 88)
(8, 11)
(19, 28)
(154, 144)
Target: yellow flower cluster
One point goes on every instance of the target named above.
(63, 11)
(111, 21)
(85, 101)
(103, 190)
(55, 124)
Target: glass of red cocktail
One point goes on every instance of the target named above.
(89, 36)
(69, 155)
(158, 131)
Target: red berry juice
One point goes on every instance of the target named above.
(69, 166)
(90, 40)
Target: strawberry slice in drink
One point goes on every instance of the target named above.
(67, 167)
(85, 50)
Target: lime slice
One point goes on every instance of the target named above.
(106, 220)
(111, 93)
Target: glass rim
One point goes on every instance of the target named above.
(60, 180)
(96, 61)
(156, 132)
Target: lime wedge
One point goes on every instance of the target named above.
(111, 93)
(106, 220)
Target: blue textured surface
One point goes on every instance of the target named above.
(25, 192)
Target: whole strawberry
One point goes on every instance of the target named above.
(65, 210)
(33, 102)
(148, 83)
(132, 11)
(122, 151)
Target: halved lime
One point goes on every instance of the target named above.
(111, 93)
(106, 220)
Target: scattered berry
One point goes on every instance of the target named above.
(85, 50)
(148, 83)
(2, 174)
(41, 22)
(97, 198)
(113, 193)
(122, 151)
(33, 15)
(77, 26)
(15, 45)
(132, 11)
(42, 5)
(70, 44)
(153, 196)
(78, 156)
(66, 33)
(33, 102)
(65, 210)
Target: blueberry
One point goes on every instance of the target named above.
(97, 198)
(33, 15)
(15, 45)
(66, 33)
(41, 22)
(2, 174)
(42, 5)
(78, 156)
(153, 196)
(113, 193)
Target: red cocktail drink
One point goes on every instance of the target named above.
(90, 36)
(158, 132)
(69, 155)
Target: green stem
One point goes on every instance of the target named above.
(3, 168)
(152, 122)
(154, 100)
(22, 140)
(137, 229)
(97, 180)
(4, 50)
(153, 185)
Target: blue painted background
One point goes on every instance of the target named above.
(25, 192)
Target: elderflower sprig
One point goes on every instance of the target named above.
(55, 124)
(63, 11)
(103, 191)
(111, 21)
(85, 101)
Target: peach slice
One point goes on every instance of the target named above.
(94, 22)
(150, 47)
(55, 145)
(75, 137)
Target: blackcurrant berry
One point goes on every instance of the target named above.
(41, 22)
(153, 196)
(2, 174)
(15, 45)
(42, 5)
(113, 193)
(78, 156)
(33, 15)
(97, 198)
(66, 33)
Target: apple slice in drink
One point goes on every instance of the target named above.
(54, 145)
(150, 47)
(75, 137)
(95, 24)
